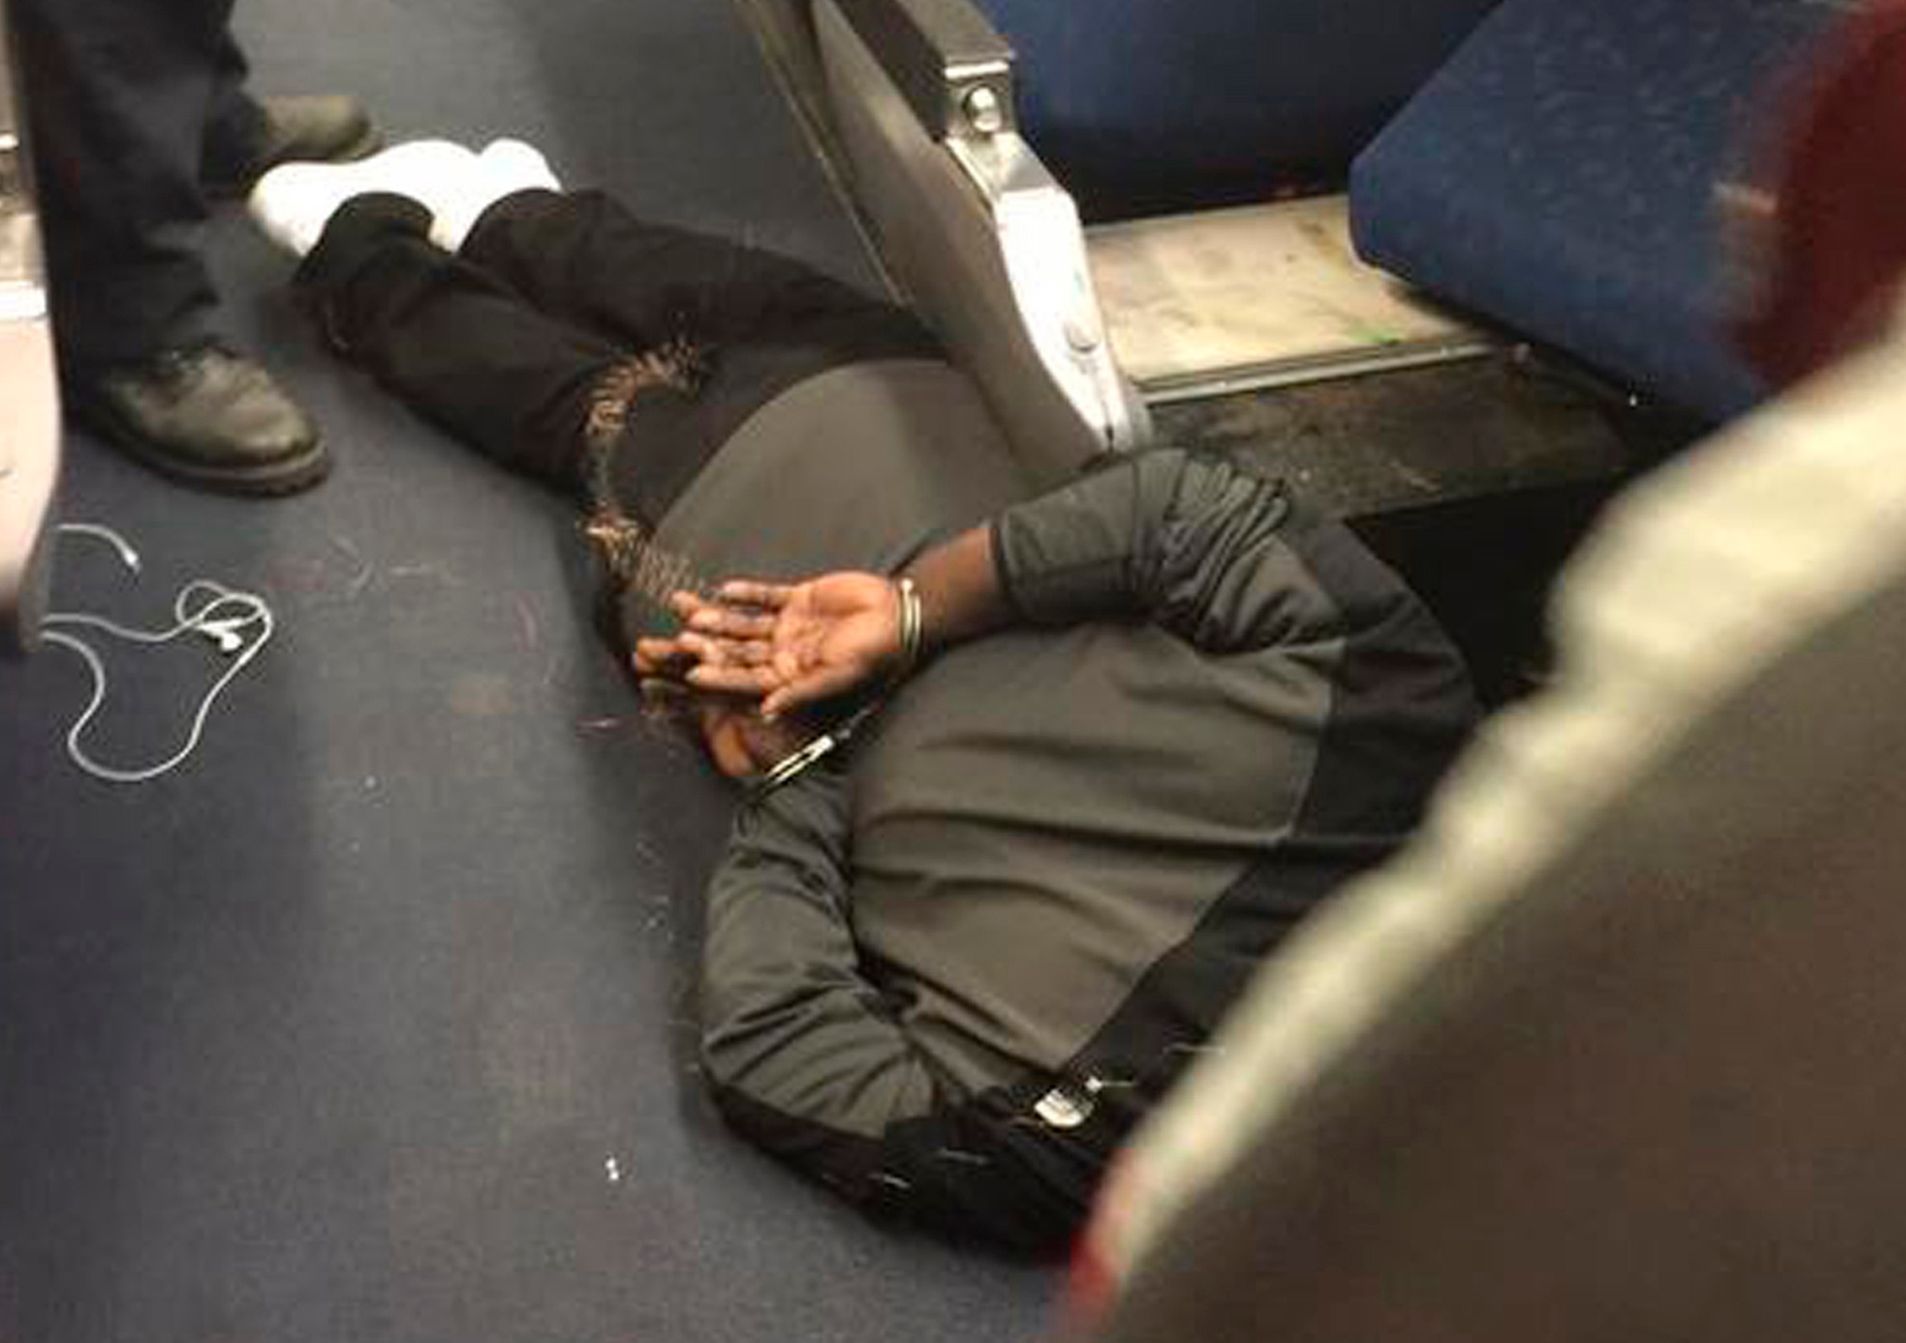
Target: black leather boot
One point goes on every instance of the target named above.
(206, 416)
(320, 128)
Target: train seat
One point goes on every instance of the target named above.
(1559, 175)
(1151, 106)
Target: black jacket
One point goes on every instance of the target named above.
(948, 971)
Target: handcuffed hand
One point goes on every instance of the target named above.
(788, 644)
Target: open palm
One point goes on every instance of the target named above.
(796, 643)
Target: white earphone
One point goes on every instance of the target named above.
(239, 624)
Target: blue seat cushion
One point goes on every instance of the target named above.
(1142, 106)
(1559, 175)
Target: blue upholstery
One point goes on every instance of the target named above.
(1558, 175)
(1148, 105)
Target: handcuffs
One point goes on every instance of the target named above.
(791, 767)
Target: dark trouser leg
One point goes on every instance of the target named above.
(454, 343)
(235, 124)
(584, 258)
(756, 321)
(117, 94)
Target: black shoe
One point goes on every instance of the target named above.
(207, 416)
(322, 128)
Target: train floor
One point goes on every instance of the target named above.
(370, 1022)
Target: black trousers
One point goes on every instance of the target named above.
(127, 101)
(511, 343)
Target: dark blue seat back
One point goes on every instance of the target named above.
(1559, 175)
(1142, 106)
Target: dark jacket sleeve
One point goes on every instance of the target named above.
(804, 1056)
(1196, 544)
(1225, 559)
(788, 1019)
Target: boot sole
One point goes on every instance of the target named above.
(266, 480)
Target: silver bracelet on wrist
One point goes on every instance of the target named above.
(912, 628)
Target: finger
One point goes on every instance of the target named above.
(706, 650)
(750, 681)
(729, 652)
(685, 603)
(748, 592)
(653, 655)
(732, 622)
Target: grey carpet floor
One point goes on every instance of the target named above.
(372, 1022)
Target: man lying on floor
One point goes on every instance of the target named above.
(949, 964)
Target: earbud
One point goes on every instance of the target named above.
(195, 610)
(225, 634)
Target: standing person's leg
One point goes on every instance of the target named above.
(452, 342)
(117, 92)
(246, 137)
(236, 128)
